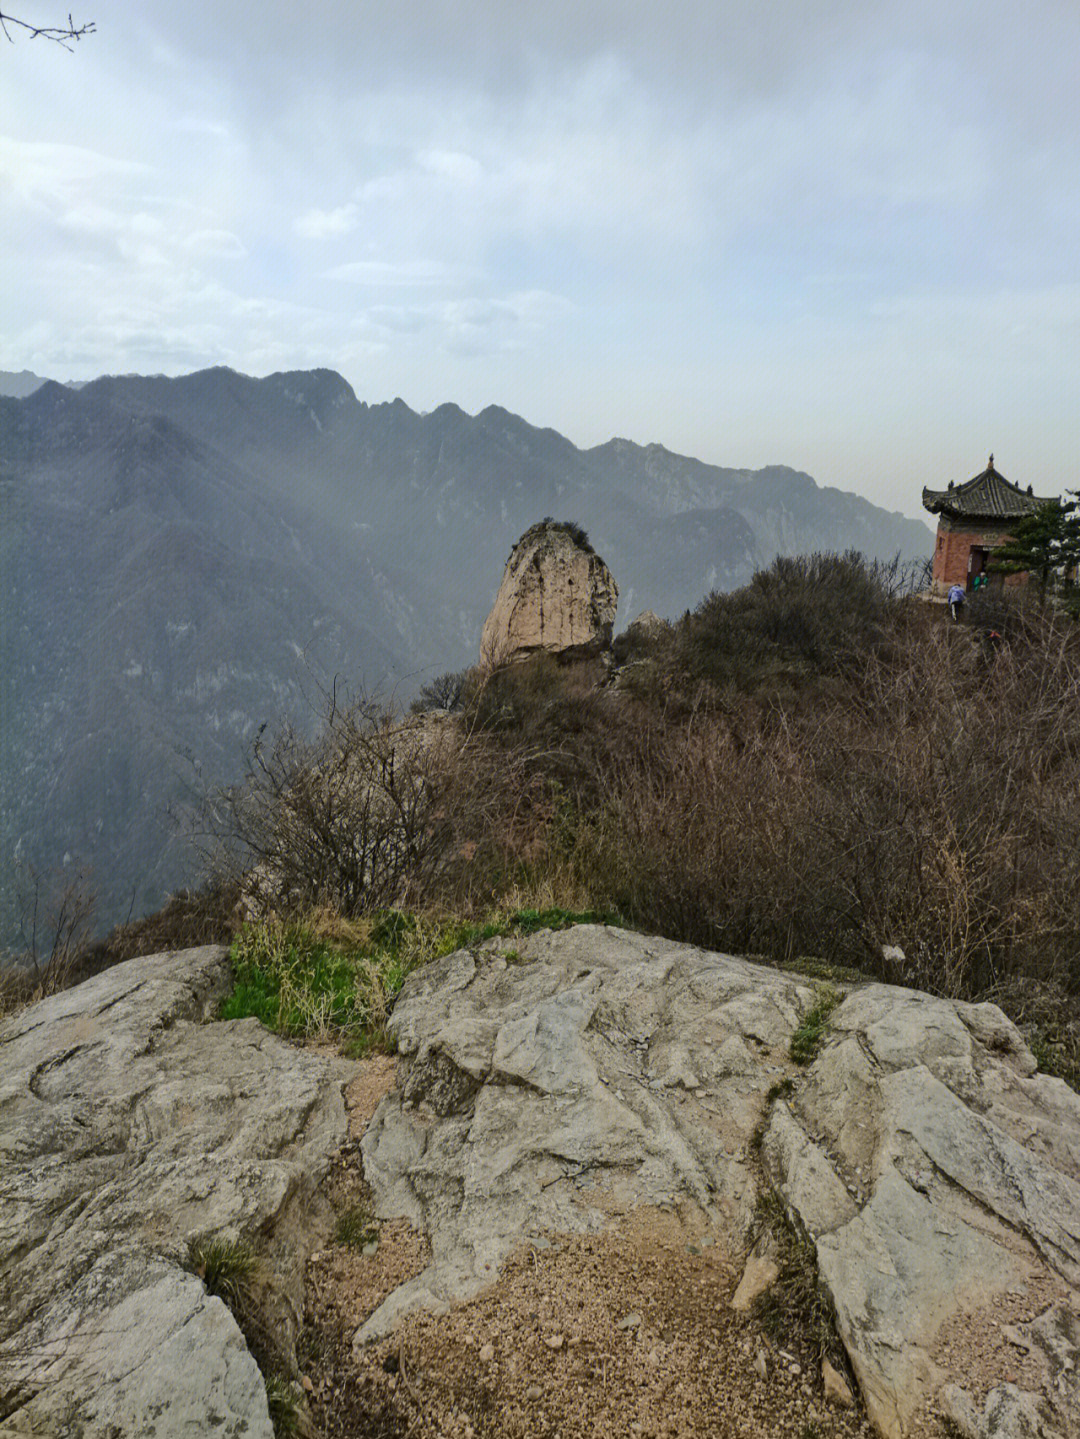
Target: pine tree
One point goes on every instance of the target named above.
(1042, 544)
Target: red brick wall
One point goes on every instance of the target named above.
(951, 555)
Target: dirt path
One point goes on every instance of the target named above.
(625, 1333)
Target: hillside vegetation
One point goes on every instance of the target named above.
(818, 769)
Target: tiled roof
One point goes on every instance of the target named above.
(988, 496)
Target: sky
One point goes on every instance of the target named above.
(835, 234)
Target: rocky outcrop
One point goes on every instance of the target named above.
(556, 595)
(576, 1076)
(130, 1126)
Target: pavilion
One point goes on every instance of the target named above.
(973, 519)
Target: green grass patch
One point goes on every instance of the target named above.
(226, 1268)
(810, 1035)
(1056, 1059)
(356, 1227)
(328, 978)
(528, 921)
(283, 1402)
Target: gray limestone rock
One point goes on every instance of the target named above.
(934, 1169)
(129, 1125)
(556, 595)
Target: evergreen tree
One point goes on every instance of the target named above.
(1042, 544)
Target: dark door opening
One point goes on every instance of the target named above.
(980, 575)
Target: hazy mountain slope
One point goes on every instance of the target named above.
(181, 558)
(18, 384)
(447, 494)
(158, 608)
(786, 509)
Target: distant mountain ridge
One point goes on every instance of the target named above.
(184, 559)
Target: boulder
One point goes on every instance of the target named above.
(130, 1125)
(557, 595)
(561, 1083)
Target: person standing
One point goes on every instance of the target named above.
(956, 601)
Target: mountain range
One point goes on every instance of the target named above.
(183, 560)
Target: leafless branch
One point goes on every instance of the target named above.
(63, 35)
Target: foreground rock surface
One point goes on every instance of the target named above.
(556, 595)
(582, 1075)
(129, 1126)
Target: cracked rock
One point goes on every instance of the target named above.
(904, 1152)
(130, 1125)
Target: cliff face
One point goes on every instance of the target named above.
(556, 595)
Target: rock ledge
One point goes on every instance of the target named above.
(129, 1126)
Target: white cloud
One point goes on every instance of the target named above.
(215, 245)
(452, 164)
(326, 224)
(391, 274)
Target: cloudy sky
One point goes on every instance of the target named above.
(835, 234)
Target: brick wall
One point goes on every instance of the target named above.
(951, 551)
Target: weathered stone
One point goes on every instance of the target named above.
(933, 1169)
(759, 1275)
(556, 595)
(925, 1105)
(128, 1127)
(837, 1389)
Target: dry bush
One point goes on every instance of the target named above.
(805, 614)
(56, 919)
(186, 920)
(343, 821)
(445, 692)
(377, 812)
(930, 805)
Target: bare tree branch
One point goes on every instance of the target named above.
(61, 34)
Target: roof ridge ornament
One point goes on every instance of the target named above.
(990, 466)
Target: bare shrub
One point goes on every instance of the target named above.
(343, 821)
(376, 812)
(928, 804)
(445, 692)
(56, 919)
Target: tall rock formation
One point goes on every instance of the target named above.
(556, 595)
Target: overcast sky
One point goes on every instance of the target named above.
(836, 234)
